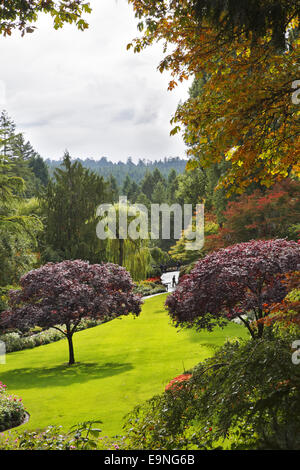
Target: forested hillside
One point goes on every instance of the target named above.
(119, 170)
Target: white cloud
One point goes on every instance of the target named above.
(84, 91)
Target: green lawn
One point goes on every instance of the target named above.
(120, 364)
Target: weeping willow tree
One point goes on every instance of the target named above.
(134, 255)
(128, 241)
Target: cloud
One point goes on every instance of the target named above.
(84, 91)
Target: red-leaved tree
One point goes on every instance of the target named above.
(60, 295)
(240, 281)
(272, 214)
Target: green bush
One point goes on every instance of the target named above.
(4, 297)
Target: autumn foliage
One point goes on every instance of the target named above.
(287, 312)
(274, 213)
(245, 113)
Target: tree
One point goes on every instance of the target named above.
(287, 312)
(39, 168)
(18, 231)
(246, 113)
(26, 162)
(236, 282)
(246, 116)
(121, 248)
(60, 295)
(159, 194)
(172, 186)
(21, 14)
(191, 187)
(147, 185)
(273, 213)
(253, 18)
(69, 206)
(113, 188)
(179, 252)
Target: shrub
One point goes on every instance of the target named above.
(84, 436)
(176, 383)
(12, 411)
(246, 396)
(4, 297)
(146, 288)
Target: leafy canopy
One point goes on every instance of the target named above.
(245, 112)
(20, 14)
(241, 281)
(60, 295)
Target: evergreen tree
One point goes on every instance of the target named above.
(147, 185)
(159, 195)
(172, 186)
(113, 188)
(28, 165)
(17, 231)
(39, 168)
(69, 207)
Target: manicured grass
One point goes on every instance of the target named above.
(120, 364)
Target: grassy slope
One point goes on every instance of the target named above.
(120, 364)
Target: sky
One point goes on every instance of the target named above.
(86, 93)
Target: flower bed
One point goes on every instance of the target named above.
(80, 437)
(155, 280)
(146, 288)
(12, 410)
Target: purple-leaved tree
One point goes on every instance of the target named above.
(240, 281)
(60, 295)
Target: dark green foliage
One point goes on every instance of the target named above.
(192, 187)
(252, 17)
(4, 297)
(18, 229)
(69, 206)
(39, 168)
(121, 170)
(246, 396)
(26, 162)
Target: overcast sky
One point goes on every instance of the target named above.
(83, 91)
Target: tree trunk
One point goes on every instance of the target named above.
(71, 350)
(121, 251)
(260, 326)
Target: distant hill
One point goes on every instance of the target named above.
(120, 170)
